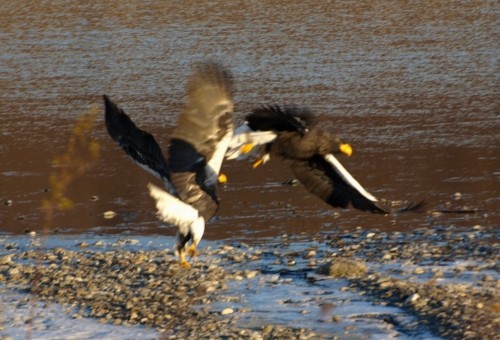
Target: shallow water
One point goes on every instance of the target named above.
(280, 293)
(413, 88)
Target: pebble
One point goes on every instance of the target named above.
(419, 270)
(310, 254)
(267, 329)
(251, 274)
(120, 286)
(109, 214)
(413, 298)
(6, 259)
(227, 311)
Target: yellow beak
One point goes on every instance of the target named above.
(346, 149)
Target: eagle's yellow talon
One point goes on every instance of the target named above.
(222, 179)
(185, 264)
(247, 148)
(192, 252)
(257, 163)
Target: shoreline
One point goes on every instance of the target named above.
(127, 281)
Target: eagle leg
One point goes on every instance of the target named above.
(184, 262)
(191, 250)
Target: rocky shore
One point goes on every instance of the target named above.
(127, 288)
(447, 279)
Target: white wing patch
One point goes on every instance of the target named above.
(172, 210)
(339, 168)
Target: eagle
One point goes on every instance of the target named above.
(295, 135)
(196, 151)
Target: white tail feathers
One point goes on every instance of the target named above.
(244, 135)
(348, 177)
(173, 210)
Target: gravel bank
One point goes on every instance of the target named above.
(127, 288)
(447, 279)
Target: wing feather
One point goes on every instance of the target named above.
(275, 118)
(347, 177)
(138, 144)
(321, 177)
(201, 138)
(207, 117)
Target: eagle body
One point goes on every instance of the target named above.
(309, 149)
(196, 151)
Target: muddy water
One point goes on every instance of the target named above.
(412, 86)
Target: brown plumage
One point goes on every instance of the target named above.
(310, 150)
(196, 151)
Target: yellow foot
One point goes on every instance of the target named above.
(246, 148)
(184, 263)
(257, 163)
(222, 179)
(192, 252)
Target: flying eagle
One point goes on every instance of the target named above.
(195, 153)
(293, 134)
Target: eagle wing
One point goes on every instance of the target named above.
(202, 136)
(326, 178)
(206, 121)
(138, 144)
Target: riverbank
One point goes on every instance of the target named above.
(438, 281)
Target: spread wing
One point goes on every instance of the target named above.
(207, 119)
(173, 210)
(201, 138)
(326, 178)
(309, 149)
(137, 144)
(275, 118)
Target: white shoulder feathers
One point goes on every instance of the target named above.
(339, 168)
